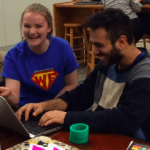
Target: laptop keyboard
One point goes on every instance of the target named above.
(32, 125)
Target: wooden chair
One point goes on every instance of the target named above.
(74, 34)
(91, 58)
(145, 39)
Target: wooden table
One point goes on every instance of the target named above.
(96, 141)
(68, 12)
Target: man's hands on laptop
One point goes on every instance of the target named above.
(54, 116)
(36, 107)
(48, 118)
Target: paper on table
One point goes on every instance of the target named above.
(42, 142)
(52, 146)
(36, 147)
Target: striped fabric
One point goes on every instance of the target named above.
(114, 82)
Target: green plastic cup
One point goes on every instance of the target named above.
(79, 133)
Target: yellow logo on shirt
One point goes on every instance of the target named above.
(45, 79)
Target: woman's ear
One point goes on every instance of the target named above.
(49, 29)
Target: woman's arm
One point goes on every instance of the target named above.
(11, 91)
(71, 82)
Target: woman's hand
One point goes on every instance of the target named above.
(11, 91)
(5, 92)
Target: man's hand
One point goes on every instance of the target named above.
(37, 107)
(52, 117)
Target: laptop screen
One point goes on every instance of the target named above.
(8, 119)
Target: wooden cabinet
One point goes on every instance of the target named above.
(67, 12)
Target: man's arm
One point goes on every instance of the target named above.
(136, 6)
(78, 99)
(55, 104)
(131, 112)
(82, 97)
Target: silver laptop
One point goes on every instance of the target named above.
(29, 128)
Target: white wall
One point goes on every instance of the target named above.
(2, 28)
(10, 13)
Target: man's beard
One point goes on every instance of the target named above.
(113, 57)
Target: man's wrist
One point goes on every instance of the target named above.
(55, 104)
(45, 106)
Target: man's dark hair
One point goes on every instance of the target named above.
(114, 21)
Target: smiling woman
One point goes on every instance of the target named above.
(36, 26)
(41, 67)
(35, 29)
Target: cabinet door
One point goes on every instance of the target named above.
(49, 5)
(12, 15)
(2, 28)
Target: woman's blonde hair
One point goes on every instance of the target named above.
(38, 8)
